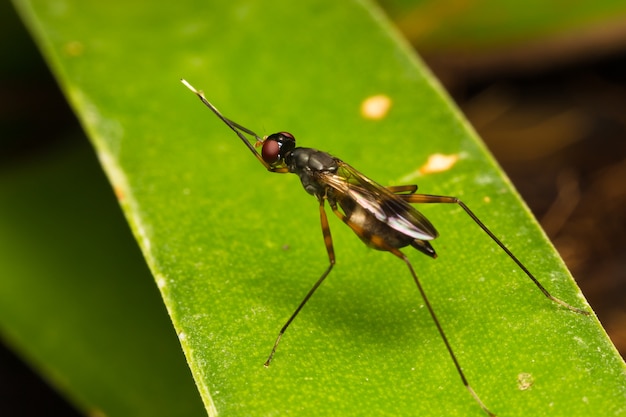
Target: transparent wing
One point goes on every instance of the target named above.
(386, 206)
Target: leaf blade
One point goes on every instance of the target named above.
(206, 233)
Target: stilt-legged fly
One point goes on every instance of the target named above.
(380, 216)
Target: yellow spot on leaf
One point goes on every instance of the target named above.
(438, 162)
(376, 107)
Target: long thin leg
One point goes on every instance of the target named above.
(440, 329)
(328, 241)
(426, 198)
(380, 244)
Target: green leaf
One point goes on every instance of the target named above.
(233, 249)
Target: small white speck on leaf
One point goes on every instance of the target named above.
(161, 281)
(525, 381)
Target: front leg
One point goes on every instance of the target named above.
(328, 241)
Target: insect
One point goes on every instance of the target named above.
(382, 217)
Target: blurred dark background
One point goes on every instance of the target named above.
(556, 124)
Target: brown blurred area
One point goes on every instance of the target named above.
(556, 122)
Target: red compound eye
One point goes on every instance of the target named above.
(277, 146)
(270, 151)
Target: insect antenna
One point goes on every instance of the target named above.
(236, 127)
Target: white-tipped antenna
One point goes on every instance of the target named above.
(236, 127)
(206, 102)
(189, 86)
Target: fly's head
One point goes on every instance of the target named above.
(276, 146)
